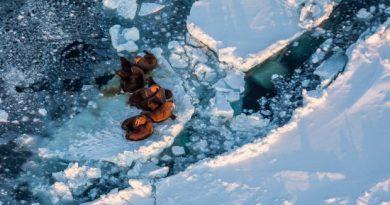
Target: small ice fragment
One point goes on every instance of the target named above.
(86, 87)
(150, 8)
(3, 116)
(364, 14)
(178, 150)
(42, 112)
(158, 173)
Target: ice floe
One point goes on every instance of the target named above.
(231, 29)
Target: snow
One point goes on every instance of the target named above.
(125, 8)
(3, 116)
(333, 151)
(231, 29)
(150, 8)
(140, 194)
(124, 40)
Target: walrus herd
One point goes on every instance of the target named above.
(155, 102)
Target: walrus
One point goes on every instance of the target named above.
(149, 99)
(162, 113)
(132, 77)
(138, 127)
(147, 63)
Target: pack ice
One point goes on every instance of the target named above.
(334, 150)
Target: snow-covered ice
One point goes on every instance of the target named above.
(230, 27)
(334, 150)
(139, 193)
(150, 8)
(95, 133)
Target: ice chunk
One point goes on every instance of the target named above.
(178, 61)
(248, 123)
(204, 73)
(3, 116)
(159, 173)
(42, 111)
(125, 8)
(131, 34)
(330, 68)
(364, 14)
(124, 40)
(234, 80)
(60, 193)
(178, 150)
(221, 107)
(150, 8)
(77, 178)
(315, 12)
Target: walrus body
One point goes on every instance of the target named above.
(149, 99)
(138, 127)
(147, 63)
(162, 113)
(132, 77)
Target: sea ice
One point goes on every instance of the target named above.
(150, 8)
(321, 156)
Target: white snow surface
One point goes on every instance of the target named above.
(150, 8)
(96, 132)
(334, 150)
(140, 193)
(229, 27)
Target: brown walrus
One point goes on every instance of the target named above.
(132, 77)
(162, 113)
(149, 99)
(147, 63)
(138, 127)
